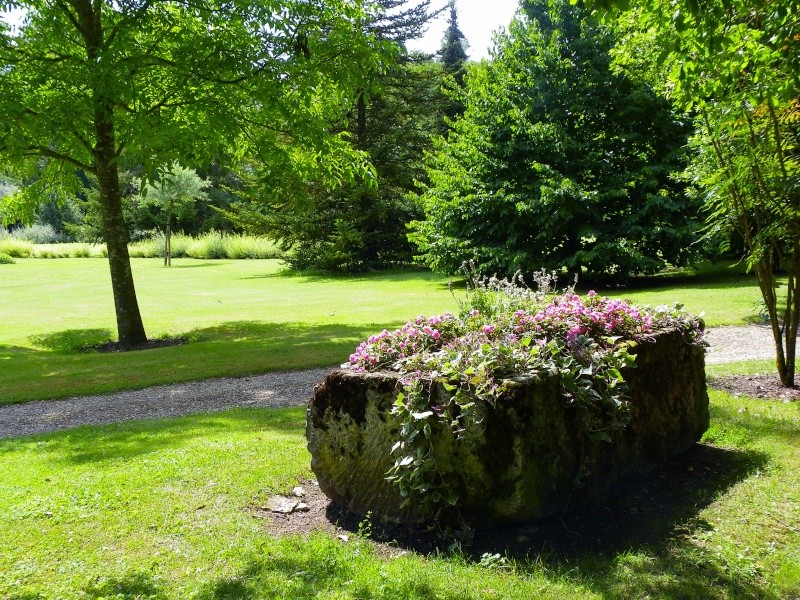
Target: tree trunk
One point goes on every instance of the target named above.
(168, 243)
(130, 328)
(791, 319)
(105, 156)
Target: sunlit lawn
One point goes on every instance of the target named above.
(240, 317)
(162, 510)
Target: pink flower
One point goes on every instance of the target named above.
(487, 329)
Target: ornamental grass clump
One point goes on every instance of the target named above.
(450, 365)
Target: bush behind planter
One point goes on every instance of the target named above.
(520, 459)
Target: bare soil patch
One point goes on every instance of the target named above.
(766, 387)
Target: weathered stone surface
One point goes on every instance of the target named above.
(521, 461)
(281, 504)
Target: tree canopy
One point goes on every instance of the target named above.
(361, 225)
(171, 197)
(557, 161)
(97, 87)
(736, 66)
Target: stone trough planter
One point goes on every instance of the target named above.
(520, 463)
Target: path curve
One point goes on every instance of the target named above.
(278, 389)
(272, 390)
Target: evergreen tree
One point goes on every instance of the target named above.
(453, 53)
(557, 162)
(453, 57)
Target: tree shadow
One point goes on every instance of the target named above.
(305, 575)
(196, 265)
(648, 514)
(133, 586)
(71, 340)
(232, 349)
(395, 275)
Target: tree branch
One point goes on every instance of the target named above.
(55, 155)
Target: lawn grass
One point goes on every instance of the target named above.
(241, 318)
(162, 510)
(724, 294)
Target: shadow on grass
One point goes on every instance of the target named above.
(724, 275)
(301, 575)
(396, 275)
(651, 515)
(71, 340)
(130, 587)
(196, 265)
(232, 349)
(122, 441)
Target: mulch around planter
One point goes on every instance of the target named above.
(765, 387)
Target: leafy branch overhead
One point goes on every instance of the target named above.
(735, 65)
(98, 88)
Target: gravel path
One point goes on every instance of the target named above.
(730, 344)
(273, 390)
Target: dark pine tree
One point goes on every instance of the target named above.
(453, 56)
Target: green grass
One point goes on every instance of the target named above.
(162, 510)
(241, 317)
(725, 295)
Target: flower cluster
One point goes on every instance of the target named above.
(389, 349)
(595, 316)
(563, 318)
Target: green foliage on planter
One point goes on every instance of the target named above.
(454, 367)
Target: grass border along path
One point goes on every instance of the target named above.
(240, 317)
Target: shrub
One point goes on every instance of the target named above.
(247, 246)
(16, 248)
(39, 234)
(210, 245)
(69, 250)
(504, 330)
(51, 251)
(5, 259)
(80, 251)
(147, 248)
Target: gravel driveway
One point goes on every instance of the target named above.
(272, 390)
